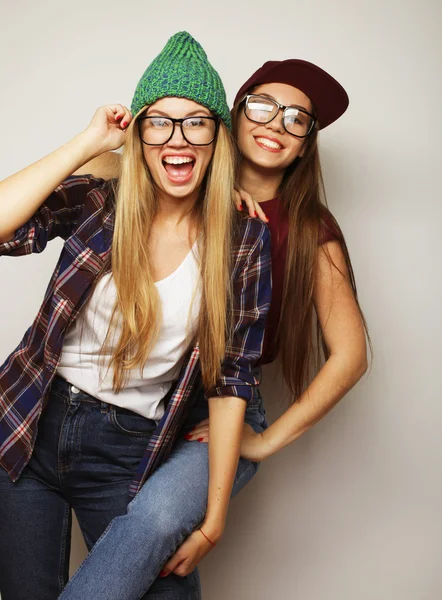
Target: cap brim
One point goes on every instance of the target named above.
(328, 97)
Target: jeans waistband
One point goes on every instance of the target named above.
(72, 393)
(64, 387)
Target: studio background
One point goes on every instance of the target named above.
(352, 510)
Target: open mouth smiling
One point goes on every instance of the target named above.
(269, 144)
(178, 168)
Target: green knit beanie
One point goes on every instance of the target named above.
(182, 70)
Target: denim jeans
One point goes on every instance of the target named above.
(85, 456)
(127, 559)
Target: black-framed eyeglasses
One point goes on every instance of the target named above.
(263, 109)
(197, 131)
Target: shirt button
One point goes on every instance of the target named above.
(74, 389)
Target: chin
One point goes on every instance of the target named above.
(179, 191)
(272, 165)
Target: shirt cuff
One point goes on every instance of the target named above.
(240, 389)
(20, 244)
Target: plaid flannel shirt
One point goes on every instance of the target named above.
(82, 212)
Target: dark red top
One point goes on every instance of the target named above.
(278, 226)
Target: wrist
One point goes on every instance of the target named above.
(206, 537)
(213, 529)
(87, 146)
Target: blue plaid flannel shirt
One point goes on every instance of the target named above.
(81, 211)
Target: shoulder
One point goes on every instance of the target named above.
(106, 166)
(81, 186)
(96, 202)
(95, 188)
(89, 182)
(251, 247)
(251, 233)
(329, 230)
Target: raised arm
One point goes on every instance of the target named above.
(23, 193)
(106, 166)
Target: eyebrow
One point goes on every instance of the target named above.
(190, 114)
(288, 106)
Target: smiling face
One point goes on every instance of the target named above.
(268, 145)
(177, 167)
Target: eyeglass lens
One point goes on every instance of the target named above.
(196, 130)
(263, 110)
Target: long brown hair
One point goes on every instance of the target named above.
(137, 307)
(302, 197)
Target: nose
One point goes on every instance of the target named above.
(277, 124)
(177, 140)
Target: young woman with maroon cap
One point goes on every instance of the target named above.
(276, 116)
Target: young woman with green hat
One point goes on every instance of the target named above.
(159, 287)
(276, 118)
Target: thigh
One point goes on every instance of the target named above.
(111, 443)
(189, 472)
(175, 497)
(129, 556)
(174, 587)
(35, 517)
(177, 491)
(35, 524)
(169, 506)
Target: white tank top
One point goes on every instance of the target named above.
(82, 365)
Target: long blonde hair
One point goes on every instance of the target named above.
(137, 305)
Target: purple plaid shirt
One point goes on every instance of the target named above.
(81, 211)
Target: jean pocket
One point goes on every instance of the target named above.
(131, 423)
(59, 388)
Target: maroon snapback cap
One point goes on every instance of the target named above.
(327, 95)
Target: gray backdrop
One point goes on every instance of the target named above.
(352, 510)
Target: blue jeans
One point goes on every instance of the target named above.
(85, 456)
(127, 559)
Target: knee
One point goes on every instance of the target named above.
(166, 516)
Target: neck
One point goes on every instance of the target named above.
(261, 184)
(175, 211)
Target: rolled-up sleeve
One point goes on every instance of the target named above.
(252, 290)
(56, 217)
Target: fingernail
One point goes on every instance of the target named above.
(118, 117)
(200, 439)
(187, 436)
(239, 207)
(254, 214)
(267, 220)
(163, 574)
(124, 124)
